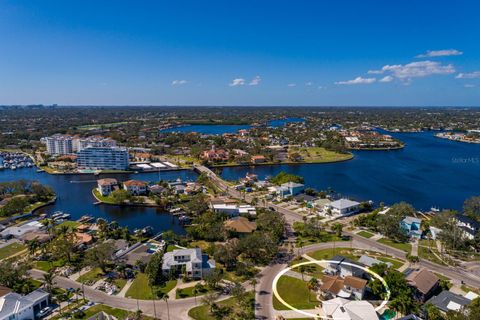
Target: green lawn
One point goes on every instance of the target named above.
(427, 254)
(407, 247)
(365, 234)
(91, 276)
(120, 283)
(324, 237)
(105, 199)
(47, 265)
(319, 154)
(313, 269)
(325, 254)
(188, 292)
(141, 290)
(70, 224)
(11, 249)
(295, 292)
(202, 312)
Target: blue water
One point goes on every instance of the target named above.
(76, 197)
(219, 129)
(428, 172)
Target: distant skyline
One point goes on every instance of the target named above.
(312, 53)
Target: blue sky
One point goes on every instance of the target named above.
(240, 52)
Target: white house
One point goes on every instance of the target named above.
(343, 267)
(233, 209)
(196, 265)
(14, 306)
(343, 309)
(342, 207)
(135, 187)
(106, 186)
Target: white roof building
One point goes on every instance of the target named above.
(196, 264)
(343, 206)
(18, 231)
(18, 307)
(343, 309)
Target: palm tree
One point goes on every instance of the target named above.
(302, 270)
(311, 285)
(164, 296)
(338, 228)
(48, 281)
(33, 245)
(49, 223)
(77, 293)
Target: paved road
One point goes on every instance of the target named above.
(264, 309)
(178, 308)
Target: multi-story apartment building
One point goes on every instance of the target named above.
(59, 144)
(94, 141)
(103, 158)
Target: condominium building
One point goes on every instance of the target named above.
(59, 144)
(102, 158)
(94, 141)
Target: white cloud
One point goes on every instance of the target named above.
(291, 85)
(440, 53)
(309, 84)
(375, 71)
(418, 69)
(237, 82)
(255, 81)
(357, 80)
(179, 82)
(471, 75)
(469, 86)
(386, 79)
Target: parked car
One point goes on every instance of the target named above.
(44, 312)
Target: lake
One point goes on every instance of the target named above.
(219, 129)
(74, 196)
(428, 172)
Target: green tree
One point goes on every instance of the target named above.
(100, 256)
(471, 207)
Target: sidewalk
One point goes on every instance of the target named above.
(125, 288)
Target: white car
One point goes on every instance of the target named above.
(45, 311)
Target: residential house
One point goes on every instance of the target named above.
(412, 226)
(214, 155)
(469, 226)
(333, 286)
(240, 226)
(448, 301)
(83, 239)
(135, 187)
(423, 281)
(342, 207)
(19, 230)
(40, 236)
(370, 262)
(195, 264)
(258, 159)
(156, 189)
(232, 209)
(106, 186)
(344, 267)
(14, 306)
(290, 189)
(343, 309)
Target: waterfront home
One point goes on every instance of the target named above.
(214, 155)
(258, 159)
(336, 286)
(40, 236)
(469, 226)
(135, 187)
(106, 186)
(83, 239)
(22, 307)
(343, 267)
(195, 264)
(423, 282)
(156, 189)
(412, 226)
(290, 189)
(342, 207)
(370, 262)
(19, 230)
(343, 309)
(232, 209)
(240, 226)
(447, 301)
